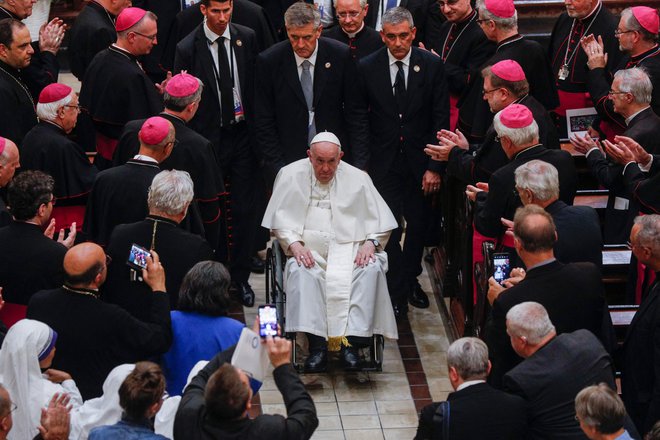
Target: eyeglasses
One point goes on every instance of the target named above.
(12, 408)
(150, 37)
(482, 20)
(614, 92)
(52, 201)
(618, 32)
(486, 92)
(350, 14)
(77, 107)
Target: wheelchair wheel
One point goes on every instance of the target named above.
(376, 349)
(275, 261)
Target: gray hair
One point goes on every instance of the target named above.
(649, 234)
(48, 112)
(636, 82)
(137, 26)
(301, 14)
(632, 24)
(540, 177)
(470, 358)
(179, 103)
(396, 16)
(519, 136)
(601, 407)
(501, 23)
(170, 192)
(529, 319)
(363, 3)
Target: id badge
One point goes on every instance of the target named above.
(239, 114)
(563, 73)
(311, 118)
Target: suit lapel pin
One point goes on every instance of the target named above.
(327, 65)
(239, 43)
(416, 68)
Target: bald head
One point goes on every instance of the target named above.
(534, 229)
(9, 162)
(85, 265)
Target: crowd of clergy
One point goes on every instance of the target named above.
(132, 212)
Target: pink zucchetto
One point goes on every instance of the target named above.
(647, 18)
(182, 85)
(154, 130)
(3, 142)
(508, 70)
(516, 116)
(54, 92)
(128, 17)
(501, 8)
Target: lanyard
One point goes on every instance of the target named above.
(567, 58)
(231, 61)
(444, 45)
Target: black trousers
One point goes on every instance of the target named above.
(402, 192)
(238, 164)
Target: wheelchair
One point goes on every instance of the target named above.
(372, 356)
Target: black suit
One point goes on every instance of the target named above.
(365, 42)
(17, 113)
(550, 379)
(501, 200)
(572, 294)
(178, 250)
(640, 375)
(391, 148)
(233, 143)
(29, 262)
(645, 129)
(281, 115)
(94, 337)
(644, 187)
(193, 421)
(478, 411)
(245, 13)
(578, 233)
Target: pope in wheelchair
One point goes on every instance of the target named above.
(333, 224)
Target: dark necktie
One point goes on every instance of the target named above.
(226, 84)
(308, 90)
(400, 87)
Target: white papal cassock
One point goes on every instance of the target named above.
(335, 298)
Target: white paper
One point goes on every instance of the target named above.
(250, 355)
(578, 120)
(621, 204)
(615, 258)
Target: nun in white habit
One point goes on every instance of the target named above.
(101, 411)
(28, 348)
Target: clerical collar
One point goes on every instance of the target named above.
(593, 11)
(53, 124)
(8, 13)
(145, 158)
(170, 115)
(405, 60)
(157, 218)
(353, 35)
(16, 73)
(466, 20)
(542, 263)
(113, 47)
(212, 36)
(81, 291)
(644, 55)
(469, 383)
(100, 7)
(526, 149)
(311, 59)
(508, 40)
(631, 117)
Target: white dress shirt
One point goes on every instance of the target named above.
(394, 69)
(311, 59)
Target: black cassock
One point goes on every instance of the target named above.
(245, 13)
(365, 42)
(475, 115)
(177, 249)
(47, 148)
(17, 114)
(5, 216)
(115, 90)
(119, 196)
(93, 31)
(599, 83)
(193, 153)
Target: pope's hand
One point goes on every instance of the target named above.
(302, 255)
(365, 254)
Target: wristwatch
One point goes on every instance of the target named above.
(375, 242)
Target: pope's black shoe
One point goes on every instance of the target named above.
(317, 361)
(245, 293)
(351, 358)
(417, 297)
(400, 311)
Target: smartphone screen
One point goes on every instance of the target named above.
(137, 257)
(267, 320)
(501, 267)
